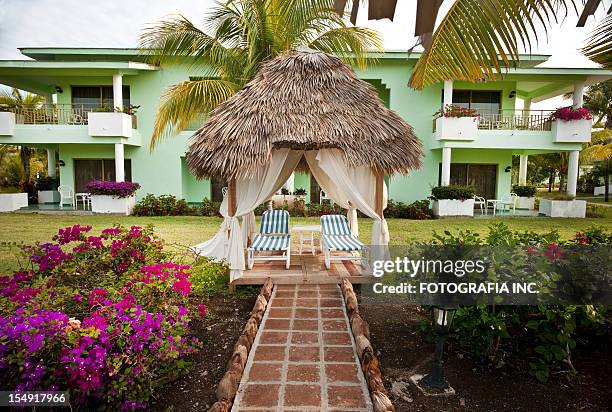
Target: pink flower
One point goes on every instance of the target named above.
(553, 252)
(183, 286)
(97, 296)
(202, 309)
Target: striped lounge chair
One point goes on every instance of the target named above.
(273, 236)
(336, 237)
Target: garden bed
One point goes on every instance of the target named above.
(195, 390)
(403, 350)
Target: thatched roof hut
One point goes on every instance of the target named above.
(303, 101)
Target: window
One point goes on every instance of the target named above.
(91, 97)
(86, 170)
(482, 177)
(485, 102)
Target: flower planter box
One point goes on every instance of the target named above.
(109, 124)
(562, 208)
(279, 200)
(453, 207)
(571, 131)
(601, 190)
(112, 204)
(48, 196)
(525, 203)
(10, 202)
(456, 128)
(7, 124)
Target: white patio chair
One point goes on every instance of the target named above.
(509, 201)
(273, 236)
(66, 193)
(323, 197)
(482, 203)
(336, 236)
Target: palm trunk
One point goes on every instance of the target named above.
(561, 182)
(607, 180)
(25, 154)
(551, 181)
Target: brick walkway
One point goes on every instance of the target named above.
(303, 357)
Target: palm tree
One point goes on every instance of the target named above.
(237, 37)
(600, 150)
(478, 39)
(598, 99)
(16, 100)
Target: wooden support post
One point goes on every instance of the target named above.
(380, 184)
(231, 211)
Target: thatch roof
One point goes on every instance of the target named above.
(304, 101)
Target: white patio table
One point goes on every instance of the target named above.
(312, 229)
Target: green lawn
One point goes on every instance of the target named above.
(180, 232)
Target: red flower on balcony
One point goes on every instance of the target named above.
(569, 114)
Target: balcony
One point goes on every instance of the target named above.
(506, 129)
(64, 123)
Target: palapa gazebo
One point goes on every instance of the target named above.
(301, 107)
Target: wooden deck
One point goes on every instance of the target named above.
(304, 268)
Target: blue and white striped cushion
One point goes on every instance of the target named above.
(345, 243)
(274, 222)
(335, 225)
(271, 242)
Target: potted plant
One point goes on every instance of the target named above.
(562, 205)
(452, 200)
(525, 196)
(106, 121)
(456, 123)
(112, 197)
(131, 110)
(47, 189)
(571, 125)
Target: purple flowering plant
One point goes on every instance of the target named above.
(117, 189)
(105, 316)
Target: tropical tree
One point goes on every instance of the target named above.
(598, 99)
(600, 150)
(478, 39)
(237, 36)
(15, 99)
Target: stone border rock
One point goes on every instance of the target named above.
(228, 386)
(369, 362)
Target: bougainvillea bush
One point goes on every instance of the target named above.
(117, 189)
(104, 316)
(569, 113)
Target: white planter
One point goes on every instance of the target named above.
(601, 190)
(456, 128)
(7, 124)
(279, 200)
(112, 204)
(10, 202)
(453, 207)
(562, 208)
(48, 196)
(525, 203)
(109, 124)
(571, 131)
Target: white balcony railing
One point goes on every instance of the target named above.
(54, 114)
(533, 120)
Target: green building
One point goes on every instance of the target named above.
(115, 146)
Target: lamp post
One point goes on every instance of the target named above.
(442, 319)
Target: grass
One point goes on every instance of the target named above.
(180, 232)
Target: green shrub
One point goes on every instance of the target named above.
(452, 192)
(524, 191)
(544, 335)
(418, 210)
(208, 277)
(559, 196)
(163, 205)
(47, 183)
(209, 208)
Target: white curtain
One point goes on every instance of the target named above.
(355, 186)
(250, 192)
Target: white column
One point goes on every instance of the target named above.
(118, 91)
(51, 163)
(572, 172)
(446, 166)
(523, 170)
(527, 105)
(448, 92)
(119, 166)
(578, 94)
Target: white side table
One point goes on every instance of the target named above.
(494, 203)
(312, 229)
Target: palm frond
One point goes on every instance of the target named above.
(599, 45)
(183, 102)
(349, 43)
(478, 39)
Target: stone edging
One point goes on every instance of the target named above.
(369, 362)
(228, 386)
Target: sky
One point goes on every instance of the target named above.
(118, 23)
